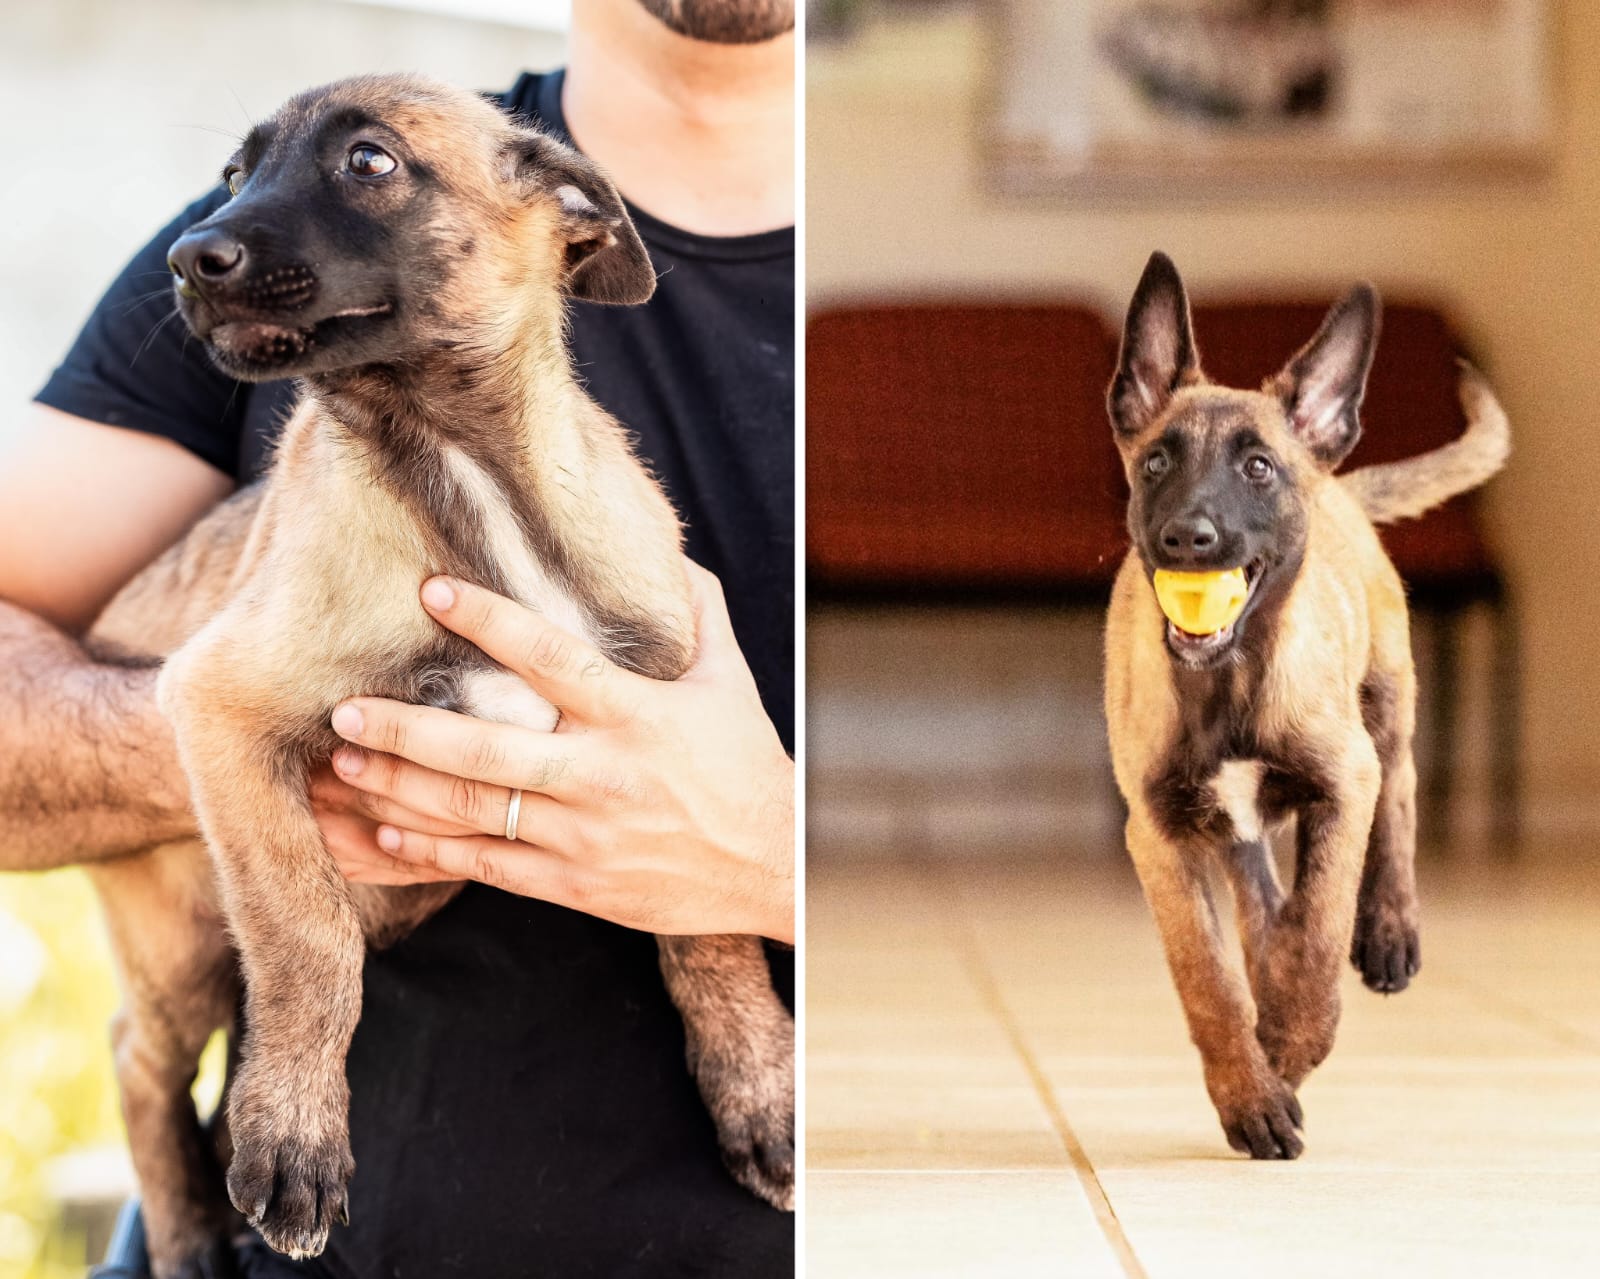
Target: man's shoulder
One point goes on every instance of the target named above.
(524, 99)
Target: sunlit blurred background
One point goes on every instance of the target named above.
(112, 117)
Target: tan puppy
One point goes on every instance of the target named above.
(404, 249)
(1302, 707)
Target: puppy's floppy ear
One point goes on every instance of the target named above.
(606, 260)
(1158, 352)
(1321, 388)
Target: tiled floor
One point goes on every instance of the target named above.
(999, 1083)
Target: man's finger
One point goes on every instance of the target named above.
(717, 651)
(354, 846)
(566, 670)
(364, 783)
(518, 868)
(438, 804)
(461, 746)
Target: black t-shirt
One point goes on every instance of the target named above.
(520, 1102)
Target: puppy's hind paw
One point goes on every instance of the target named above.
(291, 1191)
(758, 1149)
(1387, 950)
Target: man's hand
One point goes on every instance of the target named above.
(662, 806)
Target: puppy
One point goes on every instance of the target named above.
(1303, 707)
(404, 250)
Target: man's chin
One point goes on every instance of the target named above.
(725, 21)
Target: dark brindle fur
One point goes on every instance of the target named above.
(442, 430)
(1302, 709)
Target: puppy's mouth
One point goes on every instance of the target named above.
(1201, 651)
(251, 346)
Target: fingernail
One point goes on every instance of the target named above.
(438, 594)
(347, 721)
(388, 839)
(349, 762)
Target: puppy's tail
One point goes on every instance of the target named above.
(1404, 490)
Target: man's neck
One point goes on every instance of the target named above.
(699, 135)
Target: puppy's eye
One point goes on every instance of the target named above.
(1258, 468)
(233, 175)
(1157, 465)
(366, 161)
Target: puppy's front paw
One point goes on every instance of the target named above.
(1386, 949)
(1266, 1124)
(291, 1165)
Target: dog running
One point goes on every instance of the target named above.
(1296, 700)
(405, 250)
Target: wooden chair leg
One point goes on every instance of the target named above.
(1444, 694)
(1506, 694)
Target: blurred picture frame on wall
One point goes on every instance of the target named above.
(1114, 95)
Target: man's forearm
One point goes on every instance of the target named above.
(88, 768)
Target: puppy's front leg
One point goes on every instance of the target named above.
(300, 946)
(1258, 1111)
(1297, 979)
(741, 1053)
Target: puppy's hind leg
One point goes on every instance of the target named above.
(1386, 946)
(741, 1053)
(179, 980)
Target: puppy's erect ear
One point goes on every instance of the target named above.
(1321, 388)
(1158, 353)
(606, 260)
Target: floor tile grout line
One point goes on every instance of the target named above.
(935, 1172)
(1519, 1014)
(1082, 1166)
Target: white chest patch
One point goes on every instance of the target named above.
(1236, 790)
(503, 537)
(503, 698)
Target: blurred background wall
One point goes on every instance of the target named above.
(113, 116)
(898, 206)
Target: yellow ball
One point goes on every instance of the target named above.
(1201, 603)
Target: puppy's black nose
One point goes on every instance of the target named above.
(1189, 537)
(206, 257)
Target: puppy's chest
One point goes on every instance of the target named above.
(1234, 797)
(494, 532)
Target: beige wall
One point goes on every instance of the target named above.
(896, 204)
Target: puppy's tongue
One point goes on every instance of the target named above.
(1201, 603)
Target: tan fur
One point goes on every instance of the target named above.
(1332, 713)
(1404, 490)
(303, 592)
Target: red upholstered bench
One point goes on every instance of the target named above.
(960, 447)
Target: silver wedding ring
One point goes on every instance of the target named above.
(513, 814)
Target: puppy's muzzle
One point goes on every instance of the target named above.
(213, 265)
